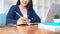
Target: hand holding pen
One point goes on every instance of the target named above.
(22, 20)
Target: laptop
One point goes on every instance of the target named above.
(55, 9)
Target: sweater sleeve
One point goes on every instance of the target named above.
(35, 17)
(10, 16)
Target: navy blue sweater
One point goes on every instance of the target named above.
(12, 17)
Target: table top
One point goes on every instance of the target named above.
(18, 29)
(32, 29)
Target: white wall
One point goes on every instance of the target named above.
(1, 6)
(8, 4)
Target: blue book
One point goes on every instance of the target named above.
(52, 23)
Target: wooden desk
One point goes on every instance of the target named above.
(24, 30)
(19, 29)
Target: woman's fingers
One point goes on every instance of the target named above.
(23, 20)
(28, 21)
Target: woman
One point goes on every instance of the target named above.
(22, 13)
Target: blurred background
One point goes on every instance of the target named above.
(1, 6)
(41, 7)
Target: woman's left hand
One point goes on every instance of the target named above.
(28, 21)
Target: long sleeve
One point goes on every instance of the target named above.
(35, 17)
(10, 16)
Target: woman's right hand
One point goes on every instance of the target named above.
(22, 20)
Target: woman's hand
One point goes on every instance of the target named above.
(23, 20)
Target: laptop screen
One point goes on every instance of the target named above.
(55, 9)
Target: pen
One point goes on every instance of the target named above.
(21, 16)
(18, 14)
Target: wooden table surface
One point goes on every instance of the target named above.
(33, 29)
